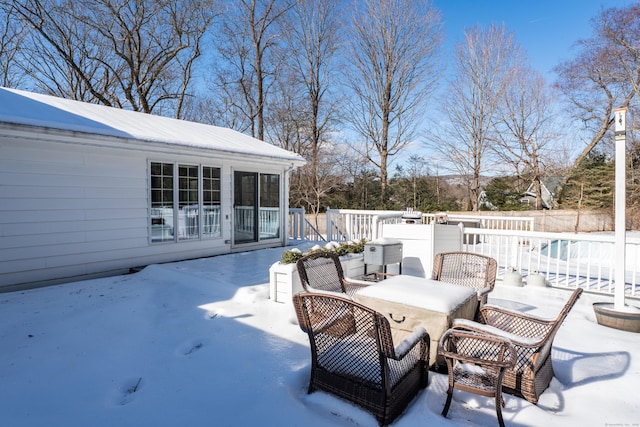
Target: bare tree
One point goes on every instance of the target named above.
(12, 34)
(525, 126)
(250, 44)
(483, 64)
(604, 75)
(311, 187)
(313, 36)
(137, 54)
(288, 116)
(393, 51)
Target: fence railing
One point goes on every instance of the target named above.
(348, 224)
(300, 228)
(351, 224)
(485, 221)
(565, 259)
(268, 221)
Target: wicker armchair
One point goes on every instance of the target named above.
(353, 355)
(322, 271)
(467, 269)
(532, 337)
(476, 363)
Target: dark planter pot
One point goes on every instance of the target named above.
(625, 320)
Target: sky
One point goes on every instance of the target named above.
(546, 29)
(199, 343)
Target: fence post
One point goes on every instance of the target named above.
(329, 227)
(374, 227)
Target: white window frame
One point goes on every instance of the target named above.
(160, 223)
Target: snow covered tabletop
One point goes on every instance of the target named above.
(419, 292)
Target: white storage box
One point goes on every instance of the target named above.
(383, 252)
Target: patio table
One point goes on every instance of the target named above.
(409, 301)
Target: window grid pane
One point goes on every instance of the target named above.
(211, 201)
(188, 203)
(161, 202)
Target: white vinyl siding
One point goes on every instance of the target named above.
(74, 210)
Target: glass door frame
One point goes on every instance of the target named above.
(252, 222)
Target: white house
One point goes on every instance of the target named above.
(88, 190)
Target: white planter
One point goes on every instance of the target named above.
(284, 280)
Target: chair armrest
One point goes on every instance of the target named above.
(514, 313)
(356, 282)
(515, 321)
(352, 286)
(470, 325)
(402, 349)
(484, 291)
(329, 293)
(479, 349)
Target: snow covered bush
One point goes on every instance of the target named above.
(291, 256)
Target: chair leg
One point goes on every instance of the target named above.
(447, 404)
(499, 405)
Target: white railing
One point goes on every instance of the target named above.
(486, 221)
(188, 222)
(244, 219)
(348, 224)
(300, 228)
(565, 259)
(268, 221)
(351, 224)
(211, 221)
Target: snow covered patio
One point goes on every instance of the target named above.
(199, 343)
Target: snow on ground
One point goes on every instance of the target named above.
(199, 343)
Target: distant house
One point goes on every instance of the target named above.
(484, 203)
(88, 190)
(548, 192)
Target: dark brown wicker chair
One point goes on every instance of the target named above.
(467, 269)
(353, 356)
(532, 337)
(476, 363)
(322, 271)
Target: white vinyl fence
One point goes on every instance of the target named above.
(565, 259)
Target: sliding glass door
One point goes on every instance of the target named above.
(256, 206)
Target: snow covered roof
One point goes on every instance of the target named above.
(33, 109)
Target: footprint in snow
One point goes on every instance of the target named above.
(190, 347)
(128, 389)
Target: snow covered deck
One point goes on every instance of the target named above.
(199, 343)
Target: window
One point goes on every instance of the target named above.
(188, 204)
(161, 202)
(185, 208)
(211, 201)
